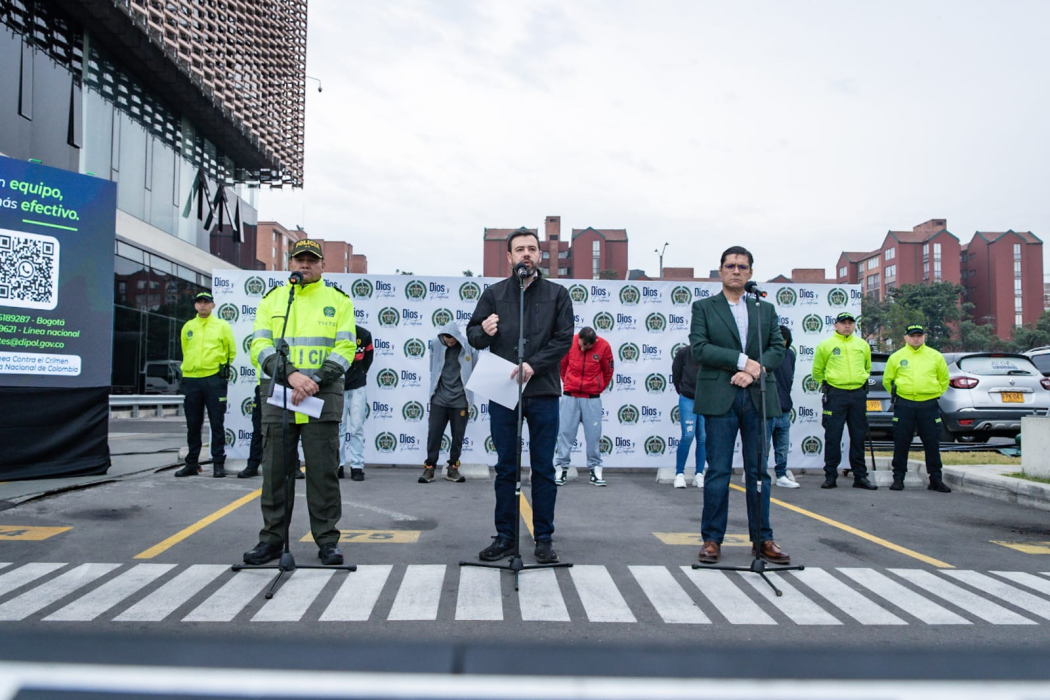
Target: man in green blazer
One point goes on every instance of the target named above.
(729, 399)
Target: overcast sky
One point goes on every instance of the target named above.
(797, 129)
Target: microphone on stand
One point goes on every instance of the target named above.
(752, 288)
(522, 270)
(297, 278)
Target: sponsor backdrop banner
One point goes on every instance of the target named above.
(644, 322)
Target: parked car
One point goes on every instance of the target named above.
(162, 377)
(989, 393)
(1040, 357)
(880, 413)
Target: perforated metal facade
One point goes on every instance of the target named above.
(249, 58)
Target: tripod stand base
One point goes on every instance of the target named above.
(515, 566)
(287, 565)
(758, 566)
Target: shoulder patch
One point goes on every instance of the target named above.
(339, 289)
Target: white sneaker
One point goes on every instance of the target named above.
(596, 480)
(786, 483)
(698, 480)
(790, 475)
(679, 481)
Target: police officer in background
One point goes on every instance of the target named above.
(321, 345)
(208, 348)
(916, 375)
(842, 364)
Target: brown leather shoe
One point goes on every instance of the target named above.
(772, 553)
(710, 553)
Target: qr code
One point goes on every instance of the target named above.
(28, 270)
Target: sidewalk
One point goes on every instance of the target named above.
(136, 453)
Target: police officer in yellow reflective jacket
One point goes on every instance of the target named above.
(321, 344)
(842, 364)
(916, 375)
(208, 348)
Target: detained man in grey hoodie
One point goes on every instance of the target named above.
(451, 362)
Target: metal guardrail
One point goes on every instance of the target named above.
(158, 402)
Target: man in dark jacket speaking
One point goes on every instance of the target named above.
(547, 336)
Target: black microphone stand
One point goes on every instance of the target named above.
(753, 496)
(287, 563)
(515, 565)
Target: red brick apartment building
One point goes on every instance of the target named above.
(274, 241)
(588, 252)
(1002, 273)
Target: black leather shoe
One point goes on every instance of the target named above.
(329, 554)
(189, 470)
(938, 486)
(357, 475)
(219, 472)
(299, 474)
(499, 549)
(897, 485)
(248, 472)
(545, 553)
(263, 552)
(829, 483)
(341, 473)
(864, 484)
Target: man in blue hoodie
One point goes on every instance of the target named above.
(451, 362)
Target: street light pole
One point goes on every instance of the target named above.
(660, 252)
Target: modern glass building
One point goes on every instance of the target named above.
(189, 106)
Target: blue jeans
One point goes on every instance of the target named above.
(721, 438)
(781, 433)
(541, 414)
(692, 427)
(574, 411)
(352, 429)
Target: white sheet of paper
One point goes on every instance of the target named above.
(491, 379)
(310, 406)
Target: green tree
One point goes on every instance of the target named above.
(468, 273)
(874, 316)
(936, 306)
(607, 275)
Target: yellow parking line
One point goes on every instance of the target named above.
(859, 533)
(526, 514)
(197, 526)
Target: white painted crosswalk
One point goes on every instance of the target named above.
(590, 594)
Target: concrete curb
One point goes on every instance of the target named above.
(988, 481)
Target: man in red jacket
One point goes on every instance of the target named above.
(585, 372)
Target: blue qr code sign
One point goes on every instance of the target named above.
(28, 270)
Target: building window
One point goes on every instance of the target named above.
(936, 270)
(873, 263)
(546, 255)
(1017, 286)
(563, 255)
(891, 271)
(1017, 268)
(1017, 304)
(873, 281)
(891, 253)
(925, 252)
(844, 270)
(273, 253)
(563, 272)
(596, 247)
(594, 268)
(1017, 320)
(1017, 251)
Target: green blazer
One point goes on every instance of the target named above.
(715, 342)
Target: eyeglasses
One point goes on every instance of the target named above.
(742, 268)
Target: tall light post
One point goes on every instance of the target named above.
(660, 252)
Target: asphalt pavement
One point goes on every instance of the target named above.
(139, 550)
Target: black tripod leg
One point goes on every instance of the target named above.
(276, 582)
(771, 584)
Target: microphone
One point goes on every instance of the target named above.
(297, 278)
(752, 288)
(522, 270)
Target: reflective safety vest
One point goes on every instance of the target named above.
(320, 335)
(207, 343)
(844, 363)
(920, 374)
